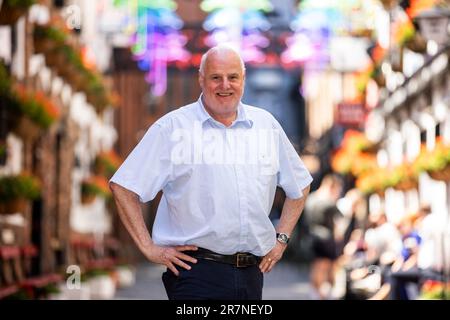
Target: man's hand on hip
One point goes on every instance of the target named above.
(171, 256)
(270, 259)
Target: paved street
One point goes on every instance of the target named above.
(286, 282)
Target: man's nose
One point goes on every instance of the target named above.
(225, 84)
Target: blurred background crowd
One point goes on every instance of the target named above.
(362, 89)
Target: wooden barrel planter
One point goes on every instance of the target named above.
(43, 45)
(87, 199)
(417, 44)
(441, 175)
(53, 58)
(77, 81)
(9, 15)
(18, 205)
(380, 79)
(27, 129)
(406, 185)
(66, 71)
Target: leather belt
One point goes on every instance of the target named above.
(239, 260)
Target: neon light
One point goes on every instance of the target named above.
(156, 40)
(239, 23)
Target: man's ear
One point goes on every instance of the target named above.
(201, 79)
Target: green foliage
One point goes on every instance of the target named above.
(51, 33)
(96, 186)
(5, 81)
(58, 45)
(19, 186)
(20, 3)
(97, 272)
(2, 150)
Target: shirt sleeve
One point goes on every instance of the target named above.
(292, 176)
(147, 169)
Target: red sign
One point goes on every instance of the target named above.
(349, 113)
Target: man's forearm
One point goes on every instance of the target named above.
(292, 209)
(130, 213)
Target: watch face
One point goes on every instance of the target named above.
(283, 238)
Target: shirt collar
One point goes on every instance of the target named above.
(242, 115)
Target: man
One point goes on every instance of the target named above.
(218, 163)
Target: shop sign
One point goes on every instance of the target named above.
(351, 113)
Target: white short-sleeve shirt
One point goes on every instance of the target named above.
(218, 182)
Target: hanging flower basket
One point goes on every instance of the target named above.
(94, 186)
(47, 37)
(404, 177)
(35, 106)
(16, 190)
(106, 163)
(375, 181)
(435, 162)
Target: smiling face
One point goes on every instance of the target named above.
(222, 83)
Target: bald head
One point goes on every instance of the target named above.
(220, 50)
(222, 79)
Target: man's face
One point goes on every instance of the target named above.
(222, 83)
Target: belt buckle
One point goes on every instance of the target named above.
(238, 255)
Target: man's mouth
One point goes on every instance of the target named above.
(224, 94)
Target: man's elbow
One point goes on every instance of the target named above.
(114, 187)
(120, 192)
(305, 191)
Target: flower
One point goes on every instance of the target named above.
(341, 162)
(362, 163)
(96, 186)
(106, 163)
(51, 110)
(36, 106)
(432, 290)
(52, 33)
(404, 177)
(68, 59)
(376, 180)
(403, 30)
(350, 157)
(435, 160)
(355, 141)
(378, 54)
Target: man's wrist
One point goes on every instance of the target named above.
(283, 238)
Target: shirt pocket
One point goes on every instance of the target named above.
(261, 176)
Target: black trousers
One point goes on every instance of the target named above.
(210, 280)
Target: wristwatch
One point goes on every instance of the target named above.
(283, 238)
